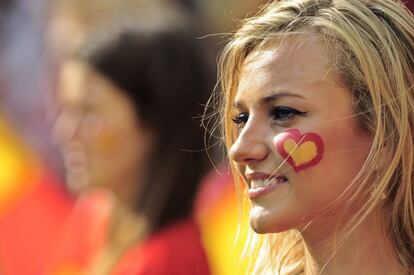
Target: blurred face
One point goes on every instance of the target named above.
(299, 145)
(102, 141)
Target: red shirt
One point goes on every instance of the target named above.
(176, 249)
(29, 228)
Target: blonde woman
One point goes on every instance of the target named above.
(318, 115)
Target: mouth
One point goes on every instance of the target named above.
(254, 184)
(261, 184)
(74, 159)
(75, 162)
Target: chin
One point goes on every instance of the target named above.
(75, 185)
(266, 229)
(258, 229)
(264, 226)
(264, 223)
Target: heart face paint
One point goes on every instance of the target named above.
(301, 151)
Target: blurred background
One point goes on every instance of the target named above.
(50, 223)
(64, 84)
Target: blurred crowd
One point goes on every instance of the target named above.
(105, 166)
(105, 163)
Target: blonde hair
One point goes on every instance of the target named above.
(372, 43)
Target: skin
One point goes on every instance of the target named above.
(304, 82)
(102, 140)
(301, 151)
(299, 74)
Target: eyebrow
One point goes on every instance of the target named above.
(277, 95)
(273, 97)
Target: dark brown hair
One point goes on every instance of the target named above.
(164, 71)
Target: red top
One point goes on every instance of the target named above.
(83, 235)
(29, 228)
(176, 249)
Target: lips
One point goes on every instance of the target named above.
(262, 183)
(75, 159)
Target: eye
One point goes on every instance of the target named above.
(240, 119)
(282, 113)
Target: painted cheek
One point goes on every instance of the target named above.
(103, 139)
(301, 151)
(108, 142)
(100, 134)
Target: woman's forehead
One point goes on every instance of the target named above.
(301, 57)
(304, 49)
(301, 69)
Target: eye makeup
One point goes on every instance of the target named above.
(240, 118)
(283, 113)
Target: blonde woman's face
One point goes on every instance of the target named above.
(299, 145)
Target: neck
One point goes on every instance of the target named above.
(365, 250)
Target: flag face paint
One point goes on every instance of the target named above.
(301, 151)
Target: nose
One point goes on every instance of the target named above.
(250, 146)
(65, 127)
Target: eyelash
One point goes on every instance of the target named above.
(240, 118)
(279, 113)
(282, 113)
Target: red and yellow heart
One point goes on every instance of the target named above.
(301, 151)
